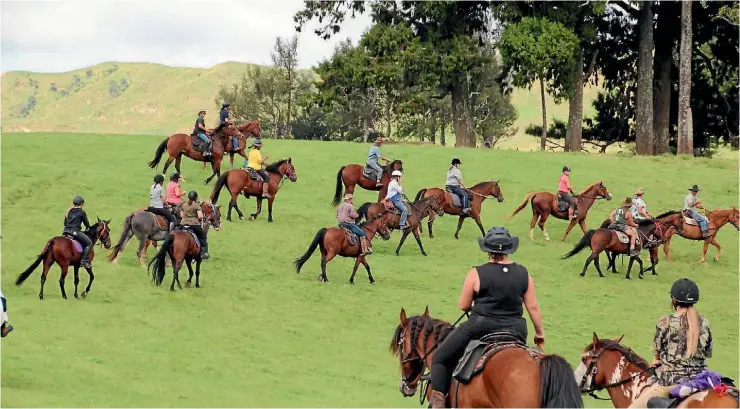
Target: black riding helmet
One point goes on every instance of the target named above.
(193, 195)
(456, 161)
(685, 291)
(158, 179)
(78, 201)
(225, 105)
(566, 168)
(174, 176)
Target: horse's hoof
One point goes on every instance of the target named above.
(41, 296)
(241, 217)
(352, 282)
(84, 295)
(197, 285)
(716, 259)
(424, 254)
(582, 274)
(187, 284)
(76, 296)
(269, 220)
(372, 282)
(251, 218)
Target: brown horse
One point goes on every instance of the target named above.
(181, 144)
(67, 252)
(240, 181)
(252, 128)
(480, 192)
(658, 231)
(181, 246)
(511, 378)
(351, 175)
(545, 204)
(604, 239)
(334, 242)
(418, 210)
(608, 365)
(689, 229)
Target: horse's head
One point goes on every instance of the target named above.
(383, 230)
(600, 361)
(496, 191)
(102, 230)
(231, 130)
(734, 218)
(251, 128)
(283, 167)
(602, 191)
(405, 345)
(212, 214)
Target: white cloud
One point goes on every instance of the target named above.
(55, 36)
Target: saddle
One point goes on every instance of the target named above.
(254, 175)
(688, 219)
(391, 208)
(478, 352)
(563, 206)
(352, 238)
(192, 233)
(625, 239)
(161, 221)
(455, 199)
(76, 244)
(368, 172)
(198, 145)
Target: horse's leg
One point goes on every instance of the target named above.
(533, 223)
(586, 264)
(598, 265)
(324, 260)
(667, 245)
(231, 160)
(197, 273)
(354, 270)
(190, 270)
(629, 268)
(253, 216)
(719, 252)
(403, 238)
(216, 167)
(48, 261)
(178, 160)
(704, 251)
(543, 220)
(77, 279)
(480, 226)
(235, 203)
(418, 241)
(639, 263)
(176, 266)
(269, 208)
(459, 226)
(140, 253)
(568, 229)
(65, 270)
(582, 223)
(89, 283)
(167, 164)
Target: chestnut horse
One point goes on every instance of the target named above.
(333, 242)
(252, 128)
(608, 365)
(481, 192)
(351, 175)
(61, 249)
(238, 181)
(545, 204)
(181, 144)
(419, 209)
(511, 378)
(715, 218)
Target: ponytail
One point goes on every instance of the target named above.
(692, 322)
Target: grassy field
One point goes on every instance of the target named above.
(259, 335)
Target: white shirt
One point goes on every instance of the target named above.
(393, 188)
(636, 204)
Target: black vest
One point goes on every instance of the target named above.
(501, 293)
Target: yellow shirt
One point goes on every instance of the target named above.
(254, 159)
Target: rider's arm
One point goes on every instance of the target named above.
(84, 220)
(611, 215)
(533, 307)
(468, 290)
(630, 220)
(200, 214)
(659, 340)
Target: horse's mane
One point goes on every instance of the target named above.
(424, 326)
(275, 166)
(372, 219)
(598, 182)
(92, 230)
(645, 222)
(668, 213)
(481, 184)
(628, 353)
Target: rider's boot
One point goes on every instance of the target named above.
(5, 329)
(84, 259)
(265, 186)
(366, 249)
(437, 400)
(204, 250)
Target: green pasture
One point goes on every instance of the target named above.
(259, 335)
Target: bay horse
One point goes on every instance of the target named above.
(351, 176)
(480, 192)
(252, 128)
(716, 220)
(333, 241)
(181, 246)
(419, 210)
(67, 252)
(181, 144)
(239, 181)
(603, 239)
(148, 228)
(658, 230)
(511, 378)
(545, 204)
(608, 365)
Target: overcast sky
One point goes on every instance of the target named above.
(57, 36)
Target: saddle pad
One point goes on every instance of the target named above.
(625, 239)
(455, 199)
(254, 175)
(75, 243)
(195, 237)
(690, 221)
(351, 237)
(563, 206)
(198, 145)
(478, 352)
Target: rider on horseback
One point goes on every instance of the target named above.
(621, 219)
(691, 202)
(174, 192)
(565, 189)
(639, 208)
(225, 119)
(200, 131)
(347, 215)
(73, 221)
(493, 293)
(395, 194)
(191, 217)
(255, 161)
(156, 203)
(682, 343)
(373, 155)
(455, 184)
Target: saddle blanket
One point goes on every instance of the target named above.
(625, 239)
(75, 243)
(351, 237)
(456, 202)
(478, 352)
(195, 237)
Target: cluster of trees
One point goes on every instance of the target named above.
(668, 70)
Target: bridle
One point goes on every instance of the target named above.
(104, 241)
(209, 221)
(289, 173)
(590, 374)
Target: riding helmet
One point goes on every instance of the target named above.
(193, 195)
(456, 161)
(397, 173)
(78, 201)
(685, 291)
(175, 176)
(566, 168)
(225, 105)
(158, 179)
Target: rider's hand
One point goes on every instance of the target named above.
(655, 363)
(539, 340)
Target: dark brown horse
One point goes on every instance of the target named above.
(181, 144)
(545, 204)
(419, 209)
(608, 365)
(511, 378)
(67, 252)
(334, 242)
(480, 192)
(351, 175)
(652, 233)
(239, 181)
(181, 246)
(689, 229)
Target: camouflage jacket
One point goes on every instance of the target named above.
(670, 345)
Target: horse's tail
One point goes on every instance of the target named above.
(24, 275)
(157, 264)
(338, 191)
(318, 241)
(118, 248)
(362, 211)
(585, 242)
(158, 155)
(420, 194)
(523, 205)
(220, 183)
(558, 387)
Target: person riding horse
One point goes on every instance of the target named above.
(682, 343)
(621, 219)
(73, 221)
(347, 216)
(200, 130)
(255, 161)
(455, 184)
(639, 208)
(225, 119)
(565, 189)
(174, 192)
(493, 293)
(373, 155)
(690, 204)
(191, 217)
(156, 203)
(395, 196)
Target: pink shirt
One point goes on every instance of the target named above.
(174, 193)
(563, 184)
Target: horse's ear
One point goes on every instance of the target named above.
(99, 221)
(108, 222)
(497, 181)
(218, 206)
(596, 340)
(403, 316)
(426, 311)
(619, 340)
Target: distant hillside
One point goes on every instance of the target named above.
(154, 98)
